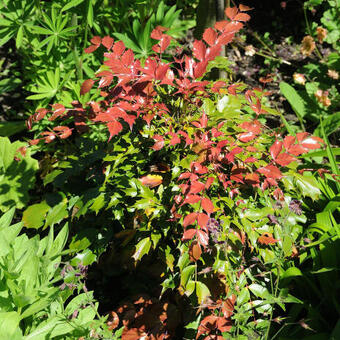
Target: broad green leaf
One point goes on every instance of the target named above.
(9, 323)
(6, 219)
(142, 248)
(259, 291)
(202, 292)
(57, 213)
(307, 185)
(330, 125)
(8, 129)
(17, 174)
(34, 215)
(291, 272)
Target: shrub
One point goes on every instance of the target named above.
(191, 174)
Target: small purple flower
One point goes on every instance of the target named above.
(295, 206)
(273, 219)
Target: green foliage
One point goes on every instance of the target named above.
(17, 174)
(34, 303)
(151, 167)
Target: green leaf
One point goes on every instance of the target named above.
(59, 242)
(20, 35)
(6, 219)
(142, 248)
(186, 275)
(294, 99)
(330, 125)
(34, 215)
(71, 4)
(321, 153)
(307, 185)
(17, 175)
(8, 129)
(9, 323)
(57, 213)
(202, 292)
(291, 272)
(259, 291)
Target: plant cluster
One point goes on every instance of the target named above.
(179, 205)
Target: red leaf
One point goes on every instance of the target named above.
(202, 237)
(209, 181)
(184, 175)
(246, 136)
(297, 149)
(284, 159)
(107, 42)
(40, 114)
(220, 25)
(270, 171)
(312, 143)
(91, 48)
(200, 69)
(105, 81)
(191, 199)
(96, 40)
(253, 126)
(118, 48)
(209, 36)
(213, 52)
(199, 50)
(196, 187)
(59, 110)
(230, 12)
(159, 142)
(275, 149)
(242, 17)
(223, 324)
(175, 139)
(189, 219)
(114, 128)
(250, 160)
(188, 234)
(127, 58)
(233, 27)
(207, 205)
(65, 131)
(225, 38)
(156, 34)
(288, 142)
(202, 220)
(252, 179)
(301, 136)
(204, 120)
(86, 86)
(244, 8)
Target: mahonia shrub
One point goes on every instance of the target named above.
(211, 188)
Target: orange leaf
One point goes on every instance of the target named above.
(202, 219)
(195, 251)
(267, 238)
(189, 219)
(231, 12)
(151, 180)
(207, 205)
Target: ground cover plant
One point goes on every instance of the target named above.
(199, 218)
